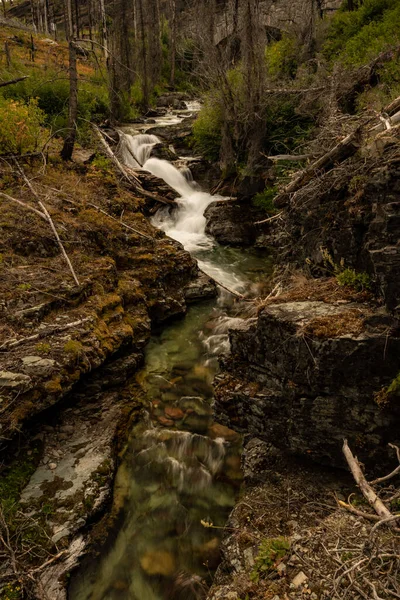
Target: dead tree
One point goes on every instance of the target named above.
(69, 142)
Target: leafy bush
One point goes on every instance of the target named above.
(207, 129)
(21, 128)
(51, 90)
(286, 129)
(350, 278)
(282, 57)
(270, 552)
(358, 36)
(265, 200)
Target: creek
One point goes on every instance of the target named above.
(180, 471)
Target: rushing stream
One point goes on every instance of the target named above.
(181, 470)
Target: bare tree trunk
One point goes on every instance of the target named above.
(143, 36)
(173, 42)
(33, 14)
(4, 8)
(103, 29)
(69, 142)
(8, 54)
(45, 17)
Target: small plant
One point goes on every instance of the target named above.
(103, 164)
(270, 553)
(345, 276)
(73, 347)
(385, 394)
(24, 287)
(350, 278)
(21, 128)
(43, 348)
(265, 200)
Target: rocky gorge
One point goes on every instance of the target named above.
(316, 362)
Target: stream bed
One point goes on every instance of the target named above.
(180, 474)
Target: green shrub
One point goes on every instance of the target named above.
(21, 128)
(270, 552)
(282, 57)
(51, 90)
(265, 200)
(286, 129)
(350, 278)
(207, 129)
(358, 36)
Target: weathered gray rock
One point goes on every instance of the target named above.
(306, 393)
(231, 223)
(200, 288)
(37, 365)
(8, 379)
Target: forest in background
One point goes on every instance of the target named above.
(263, 94)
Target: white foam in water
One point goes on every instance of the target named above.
(135, 150)
(186, 223)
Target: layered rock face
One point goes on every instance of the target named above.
(304, 375)
(357, 222)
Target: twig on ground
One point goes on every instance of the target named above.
(50, 220)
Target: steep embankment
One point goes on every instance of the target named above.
(319, 363)
(55, 333)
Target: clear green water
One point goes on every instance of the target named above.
(180, 467)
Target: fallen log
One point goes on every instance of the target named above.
(16, 80)
(382, 126)
(289, 157)
(393, 107)
(347, 147)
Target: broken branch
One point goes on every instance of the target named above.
(9, 345)
(24, 204)
(362, 483)
(347, 147)
(4, 83)
(120, 222)
(50, 220)
(393, 473)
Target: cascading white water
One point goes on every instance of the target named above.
(186, 223)
(135, 150)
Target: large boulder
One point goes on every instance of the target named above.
(305, 375)
(231, 223)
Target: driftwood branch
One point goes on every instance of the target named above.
(393, 107)
(293, 90)
(367, 491)
(346, 147)
(50, 220)
(120, 222)
(24, 204)
(237, 294)
(121, 168)
(42, 334)
(393, 473)
(289, 157)
(383, 125)
(356, 511)
(16, 80)
(273, 218)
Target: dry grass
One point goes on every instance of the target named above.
(325, 289)
(349, 322)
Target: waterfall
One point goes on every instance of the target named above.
(135, 150)
(186, 223)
